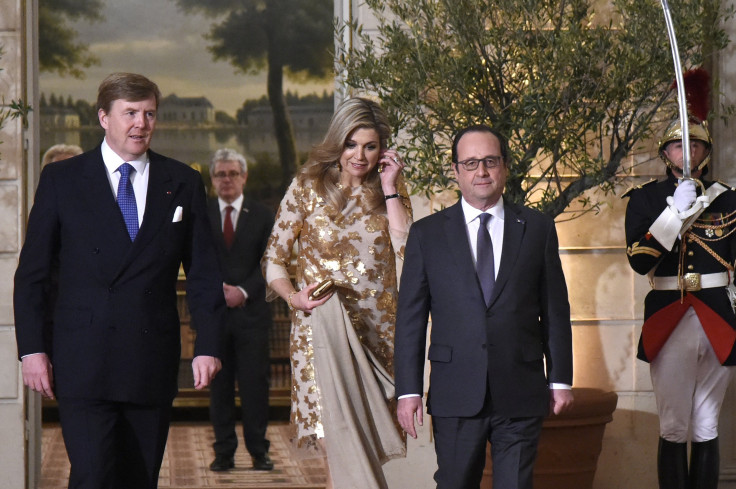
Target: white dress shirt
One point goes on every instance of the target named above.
(237, 205)
(495, 227)
(139, 178)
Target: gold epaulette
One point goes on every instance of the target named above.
(726, 185)
(626, 194)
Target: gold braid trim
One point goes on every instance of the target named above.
(703, 219)
(636, 249)
(730, 220)
(707, 248)
(681, 265)
(719, 237)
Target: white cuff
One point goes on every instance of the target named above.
(667, 227)
(241, 289)
(408, 395)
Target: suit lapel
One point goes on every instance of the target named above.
(456, 233)
(159, 197)
(106, 213)
(514, 227)
(241, 226)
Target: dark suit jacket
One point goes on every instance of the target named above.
(472, 346)
(241, 264)
(115, 321)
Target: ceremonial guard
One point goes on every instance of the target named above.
(681, 233)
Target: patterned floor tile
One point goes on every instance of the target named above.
(188, 455)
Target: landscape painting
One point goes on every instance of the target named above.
(222, 67)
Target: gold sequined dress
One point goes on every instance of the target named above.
(358, 251)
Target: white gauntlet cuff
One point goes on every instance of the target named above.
(671, 223)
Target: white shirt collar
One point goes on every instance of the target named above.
(471, 213)
(113, 160)
(237, 203)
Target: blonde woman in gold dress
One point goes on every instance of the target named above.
(348, 213)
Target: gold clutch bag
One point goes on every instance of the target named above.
(324, 288)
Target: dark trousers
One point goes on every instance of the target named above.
(460, 444)
(245, 359)
(113, 445)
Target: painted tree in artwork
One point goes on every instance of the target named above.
(58, 49)
(292, 38)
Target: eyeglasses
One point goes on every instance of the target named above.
(489, 162)
(231, 174)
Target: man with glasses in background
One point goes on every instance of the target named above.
(241, 229)
(489, 273)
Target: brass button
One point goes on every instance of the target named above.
(690, 253)
(689, 267)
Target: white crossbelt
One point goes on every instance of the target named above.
(707, 281)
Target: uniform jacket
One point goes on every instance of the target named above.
(503, 346)
(115, 320)
(241, 264)
(646, 255)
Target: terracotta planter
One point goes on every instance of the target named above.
(570, 443)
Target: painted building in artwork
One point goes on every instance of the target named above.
(190, 111)
(59, 117)
(309, 118)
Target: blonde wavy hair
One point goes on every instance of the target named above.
(323, 166)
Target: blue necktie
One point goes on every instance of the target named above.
(484, 265)
(126, 200)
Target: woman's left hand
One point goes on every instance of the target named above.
(390, 168)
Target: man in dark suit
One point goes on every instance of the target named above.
(114, 225)
(241, 229)
(489, 273)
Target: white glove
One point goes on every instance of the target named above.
(685, 195)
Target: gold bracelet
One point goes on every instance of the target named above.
(288, 300)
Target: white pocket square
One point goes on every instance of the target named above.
(178, 214)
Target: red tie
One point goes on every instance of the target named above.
(227, 230)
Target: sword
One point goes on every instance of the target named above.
(681, 99)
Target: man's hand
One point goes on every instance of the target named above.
(204, 369)
(560, 400)
(37, 374)
(685, 195)
(233, 296)
(407, 408)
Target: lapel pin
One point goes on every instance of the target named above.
(168, 192)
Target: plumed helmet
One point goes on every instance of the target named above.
(697, 92)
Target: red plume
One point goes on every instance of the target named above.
(697, 92)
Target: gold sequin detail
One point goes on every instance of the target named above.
(358, 252)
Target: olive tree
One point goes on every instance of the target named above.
(576, 85)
